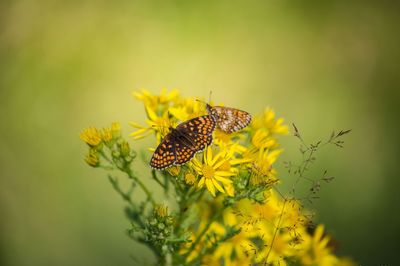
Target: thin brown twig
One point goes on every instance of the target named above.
(276, 230)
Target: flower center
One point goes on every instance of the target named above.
(208, 171)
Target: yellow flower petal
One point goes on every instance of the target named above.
(218, 186)
(151, 113)
(208, 157)
(201, 182)
(218, 164)
(224, 173)
(223, 179)
(138, 132)
(240, 161)
(210, 187)
(135, 125)
(214, 160)
(230, 190)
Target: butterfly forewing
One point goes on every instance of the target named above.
(164, 156)
(230, 119)
(183, 142)
(203, 125)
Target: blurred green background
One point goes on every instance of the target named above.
(66, 65)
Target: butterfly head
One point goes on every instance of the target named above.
(211, 111)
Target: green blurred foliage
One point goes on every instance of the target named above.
(65, 65)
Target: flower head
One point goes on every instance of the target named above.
(161, 210)
(315, 249)
(190, 178)
(156, 101)
(92, 158)
(92, 136)
(267, 121)
(212, 176)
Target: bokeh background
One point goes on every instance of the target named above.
(66, 65)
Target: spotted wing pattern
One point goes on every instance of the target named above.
(229, 119)
(183, 142)
(198, 134)
(202, 125)
(186, 153)
(164, 156)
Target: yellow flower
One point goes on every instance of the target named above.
(211, 174)
(91, 136)
(262, 165)
(116, 129)
(315, 249)
(190, 179)
(267, 121)
(230, 143)
(262, 139)
(158, 114)
(186, 108)
(161, 210)
(274, 252)
(156, 124)
(106, 134)
(221, 137)
(179, 113)
(239, 244)
(153, 101)
(92, 158)
(174, 170)
(125, 148)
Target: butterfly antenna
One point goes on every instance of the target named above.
(209, 96)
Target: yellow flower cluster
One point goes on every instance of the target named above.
(95, 138)
(274, 231)
(230, 152)
(163, 111)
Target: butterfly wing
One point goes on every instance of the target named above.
(185, 153)
(202, 125)
(195, 134)
(164, 156)
(229, 119)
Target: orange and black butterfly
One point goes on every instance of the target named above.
(229, 119)
(183, 142)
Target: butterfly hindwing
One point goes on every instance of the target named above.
(201, 141)
(164, 156)
(229, 119)
(183, 153)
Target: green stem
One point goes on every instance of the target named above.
(154, 175)
(205, 229)
(128, 171)
(125, 196)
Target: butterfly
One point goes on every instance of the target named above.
(229, 119)
(183, 142)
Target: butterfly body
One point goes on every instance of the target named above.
(183, 142)
(229, 119)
